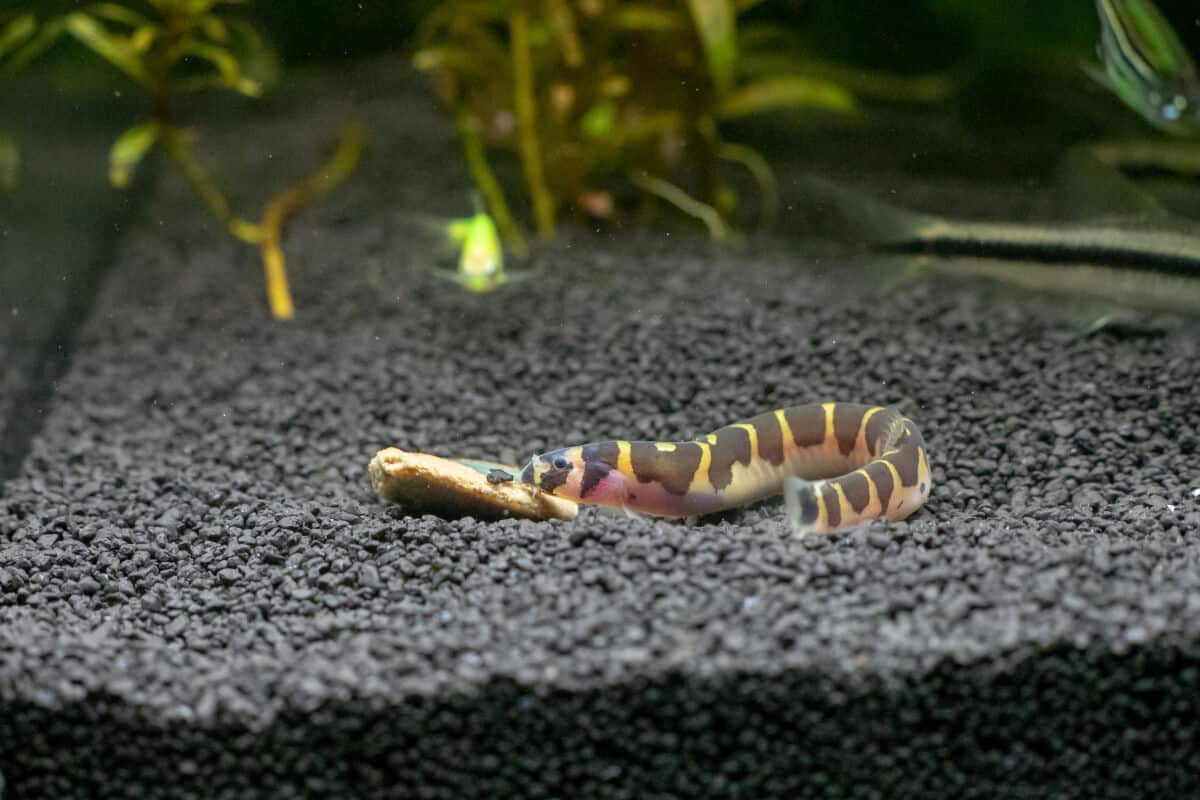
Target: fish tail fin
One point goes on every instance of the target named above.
(800, 500)
(1097, 74)
(861, 217)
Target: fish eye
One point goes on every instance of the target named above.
(560, 462)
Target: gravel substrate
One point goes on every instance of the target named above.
(200, 597)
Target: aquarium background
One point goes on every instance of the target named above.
(202, 594)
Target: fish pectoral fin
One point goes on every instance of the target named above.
(518, 276)
(447, 275)
(1089, 187)
(911, 271)
(1097, 73)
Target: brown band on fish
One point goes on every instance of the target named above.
(881, 476)
(599, 459)
(673, 468)
(807, 424)
(770, 437)
(906, 459)
(857, 489)
(877, 430)
(847, 420)
(732, 446)
(833, 505)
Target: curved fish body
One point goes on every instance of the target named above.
(1147, 66)
(841, 464)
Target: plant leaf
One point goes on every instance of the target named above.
(215, 28)
(599, 120)
(128, 150)
(46, 35)
(643, 17)
(258, 60)
(716, 23)
(117, 50)
(114, 12)
(786, 91)
(142, 38)
(16, 31)
(226, 64)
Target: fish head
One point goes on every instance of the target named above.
(481, 261)
(1175, 106)
(557, 472)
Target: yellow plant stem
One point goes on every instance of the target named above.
(291, 201)
(268, 234)
(526, 111)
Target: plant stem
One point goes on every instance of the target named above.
(489, 187)
(175, 144)
(291, 201)
(753, 161)
(527, 137)
(684, 202)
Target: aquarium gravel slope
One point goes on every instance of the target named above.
(200, 597)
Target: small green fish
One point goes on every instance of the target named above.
(481, 256)
(1151, 263)
(1147, 66)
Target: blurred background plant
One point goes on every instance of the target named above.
(168, 49)
(605, 109)
(612, 105)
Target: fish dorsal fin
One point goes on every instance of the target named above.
(860, 216)
(1088, 188)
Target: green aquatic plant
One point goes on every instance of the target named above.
(608, 101)
(168, 49)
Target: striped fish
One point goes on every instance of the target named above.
(842, 464)
(1150, 264)
(1147, 66)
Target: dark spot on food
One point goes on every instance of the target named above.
(499, 476)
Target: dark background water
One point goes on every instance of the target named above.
(905, 35)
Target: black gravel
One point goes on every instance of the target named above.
(200, 597)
